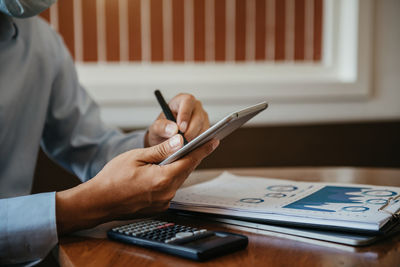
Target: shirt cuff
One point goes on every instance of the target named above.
(28, 228)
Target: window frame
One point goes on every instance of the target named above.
(343, 74)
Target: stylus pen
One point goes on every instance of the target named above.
(167, 112)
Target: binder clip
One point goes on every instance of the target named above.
(390, 201)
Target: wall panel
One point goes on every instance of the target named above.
(159, 30)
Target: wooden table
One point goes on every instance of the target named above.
(263, 250)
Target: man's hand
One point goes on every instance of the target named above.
(129, 184)
(191, 119)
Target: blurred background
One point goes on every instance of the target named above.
(328, 68)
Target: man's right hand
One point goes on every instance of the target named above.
(131, 183)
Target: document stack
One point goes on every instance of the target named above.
(345, 213)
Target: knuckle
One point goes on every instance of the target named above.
(161, 183)
(210, 149)
(168, 197)
(188, 171)
(207, 118)
(192, 163)
(187, 97)
(156, 124)
(198, 103)
(163, 207)
(159, 125)
(162, 149)
(139, 154)
(166, 206)
(134, 173)
(185, 112)
(190, 97)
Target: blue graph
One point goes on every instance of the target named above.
(329, 195)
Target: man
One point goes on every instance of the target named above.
(41, 102)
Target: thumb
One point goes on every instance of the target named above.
(158, 153)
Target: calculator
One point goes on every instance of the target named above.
(180, 240)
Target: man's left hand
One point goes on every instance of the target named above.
(191, 120)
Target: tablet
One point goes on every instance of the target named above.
(219, 130)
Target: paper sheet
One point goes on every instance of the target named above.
(345, 205)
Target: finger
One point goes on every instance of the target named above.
(198, 124)
(184, 106)
(163, 128)
(156, 154)
(187, 164)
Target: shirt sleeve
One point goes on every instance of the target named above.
(74, 134)
(27, 228)
(75, 137)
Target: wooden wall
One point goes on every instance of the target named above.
(375, 144)
(189, 30)
(360, 144)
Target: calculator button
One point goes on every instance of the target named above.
(165, 225)
(191, 237)
(183, 234)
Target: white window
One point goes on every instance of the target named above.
(341, 72)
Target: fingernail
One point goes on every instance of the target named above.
(170, 129)
(183, 126)
(175, 141)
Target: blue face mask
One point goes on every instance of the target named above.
(24, 8)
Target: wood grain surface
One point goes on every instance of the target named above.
(263, 249)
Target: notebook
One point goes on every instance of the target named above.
(366, 209)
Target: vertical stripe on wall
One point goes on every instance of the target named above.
(78, 30)
(210, 27)
(89, 30)
(230, 30)
(299, 30)
(189, 30)
(178, 30)
(157, 43)
(145, 29)
(289, 29)
(66, 23)
(309, 30)
(280, 29)
(317, 30)
(240, 30)
(167, 30)
(101, 30)
(199, 30)
(270, 11)
(220, 27)
(123, 31)
(134, 30)
(250, 30)
(112, 30)
(260, 30)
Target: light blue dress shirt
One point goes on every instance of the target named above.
(42, 103)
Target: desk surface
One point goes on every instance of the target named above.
(263, 249)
